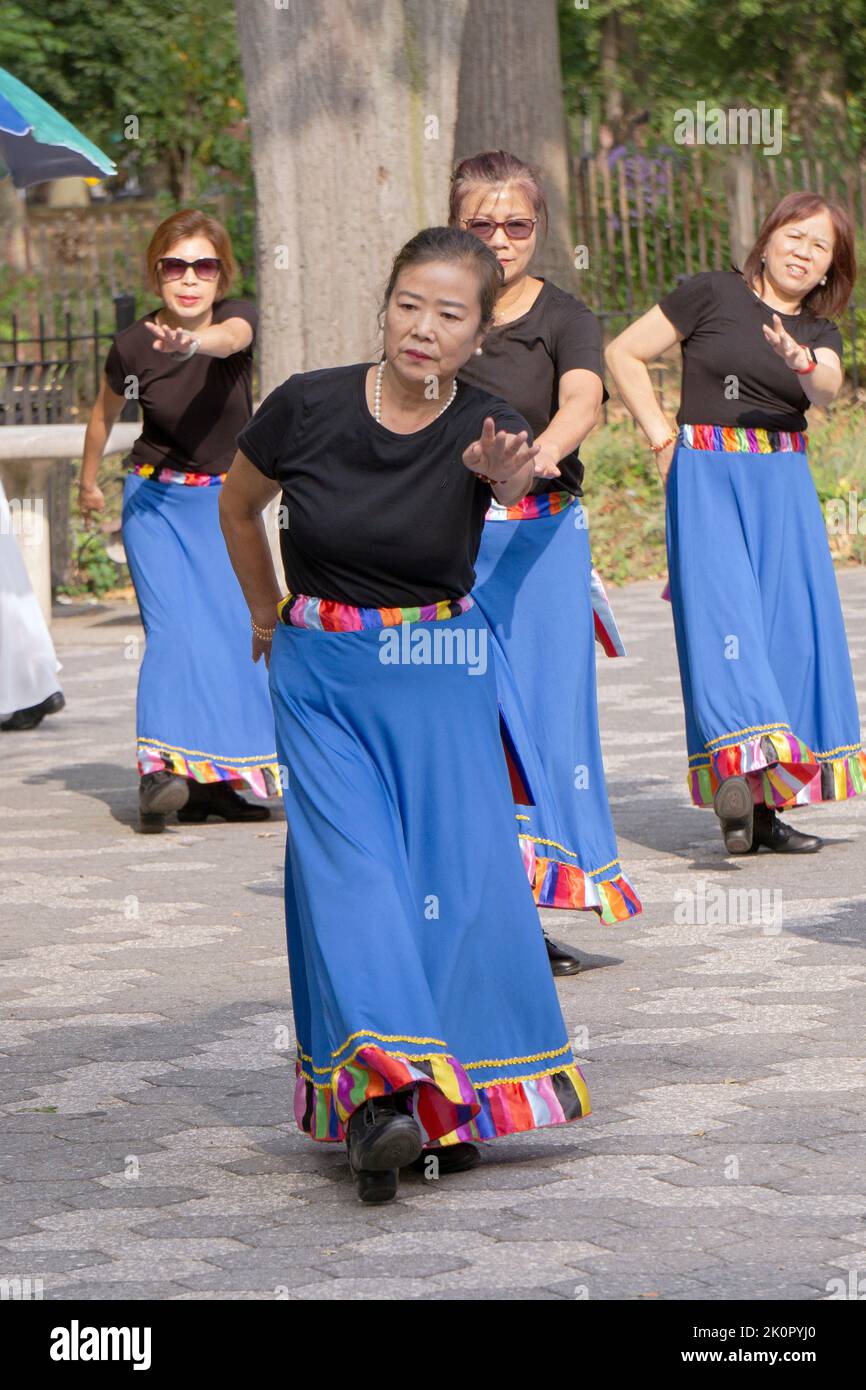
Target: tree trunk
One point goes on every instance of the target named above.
(741, 204)
(352, 106)
(510, 98)
(610, 76)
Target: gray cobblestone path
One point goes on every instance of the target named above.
(148, 1146)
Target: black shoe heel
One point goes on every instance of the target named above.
(375, 1188)
(735, 807)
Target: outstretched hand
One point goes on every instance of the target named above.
(169, 339)
(498, 455)
(792, 353)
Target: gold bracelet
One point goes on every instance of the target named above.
(657, 448)
(264, 634)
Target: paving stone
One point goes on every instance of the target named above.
(153, 1036)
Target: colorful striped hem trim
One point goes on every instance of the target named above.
(607, 634)
(785, 770)
(567, 886)
(446, 1106)
(733, 439)
(531, 507)
(299, 610)
(172, 475)
(263, 779)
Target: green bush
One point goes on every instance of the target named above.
(625, 502)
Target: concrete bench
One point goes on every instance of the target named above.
(27, 455)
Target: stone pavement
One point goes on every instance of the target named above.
(148, 1145)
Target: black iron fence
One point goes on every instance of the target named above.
(74, 358)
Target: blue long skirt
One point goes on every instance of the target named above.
(763, 657)
(415, 957)
(203, 708)
(533, 584)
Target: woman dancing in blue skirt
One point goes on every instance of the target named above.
(771, 712)
(425, 1012)
(535, 582)
(204, 720)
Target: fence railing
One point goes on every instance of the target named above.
(83, 352)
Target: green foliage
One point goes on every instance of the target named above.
(810, 60)
(13, 289)
(93, 570)
(625, 504)
(839, 470)
(175, 66)
(96, 573)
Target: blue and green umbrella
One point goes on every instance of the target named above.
(38, 144)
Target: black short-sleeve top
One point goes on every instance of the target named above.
(372, 517)
(191, 411)
(523, 361)
(731, 375)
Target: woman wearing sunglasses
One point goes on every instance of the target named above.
(204, 720)
(535, 583)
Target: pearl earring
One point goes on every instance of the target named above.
(824, 281)
(478, 352)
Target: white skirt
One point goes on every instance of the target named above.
(28, 662)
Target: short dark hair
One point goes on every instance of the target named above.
(451, 244)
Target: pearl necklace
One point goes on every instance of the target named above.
(377, 397)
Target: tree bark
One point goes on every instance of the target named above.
(510, 98)
(352, 106)
(612, 104)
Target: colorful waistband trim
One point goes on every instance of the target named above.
(172, 475)
(784, 769)
(446, 1105)
(567, 886)
(299, 610)
(262, 778)
(533, 505)
(733, 439)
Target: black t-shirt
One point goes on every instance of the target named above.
(724, 351)
(522, 362)
(191, 411)
(375, 518)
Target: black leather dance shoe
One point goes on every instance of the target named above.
(775, 835)
(382, 1135)
(159, 793)
(218, 799)
(734, 805)
(34, 714)
(451, 1158)
(562, 960)
(378, 1187)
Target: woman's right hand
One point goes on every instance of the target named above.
(664, 459)
(90, 500)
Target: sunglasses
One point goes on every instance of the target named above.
(515, 228)
(205, 268)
